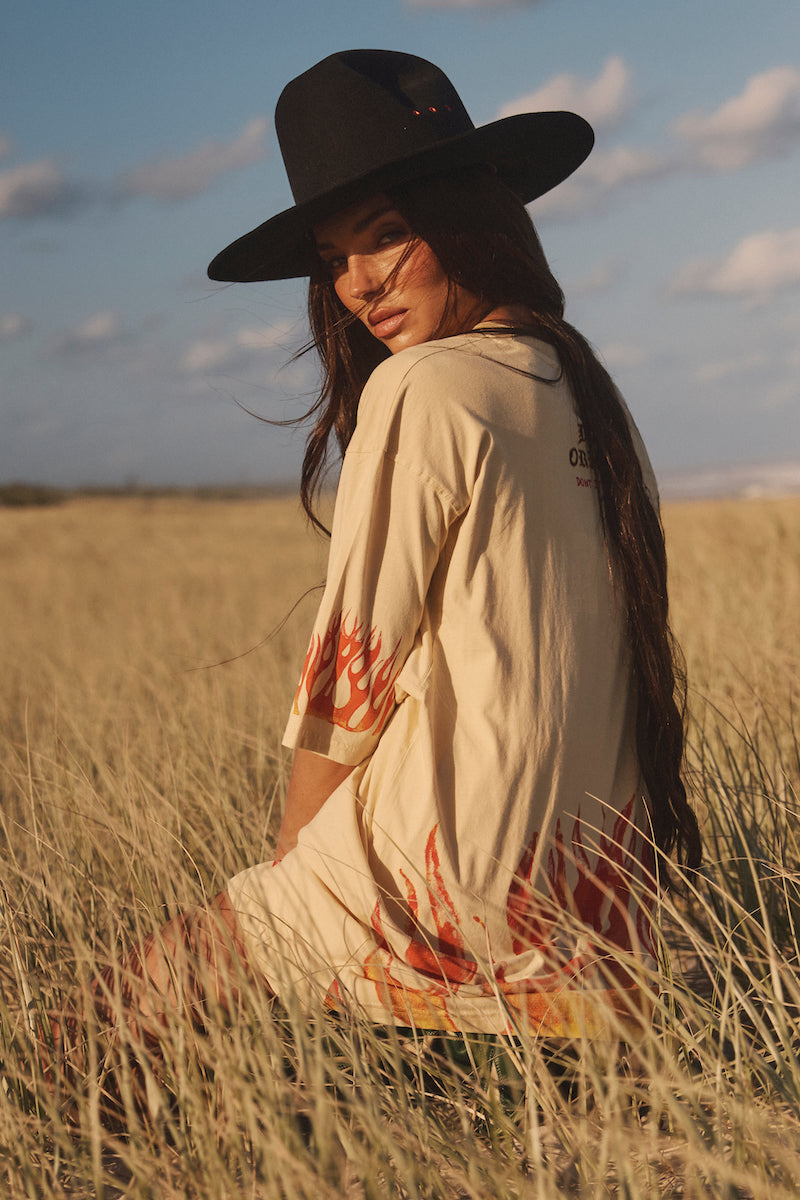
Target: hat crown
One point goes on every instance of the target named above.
(366, 121)
(359, 110)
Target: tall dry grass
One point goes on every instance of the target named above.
(735, 595)
(135, 778)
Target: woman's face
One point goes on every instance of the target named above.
(362, 247)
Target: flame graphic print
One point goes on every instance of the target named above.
(443, 960)
(448, 958)
(560, 999)
(601, 898)
(346, 679)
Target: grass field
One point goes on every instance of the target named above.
(141, 711)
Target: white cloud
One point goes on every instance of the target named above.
(266, 337)
(602, 277)
(12, 326)
(763, 121)
(102, 327)
(612, 169)
(603, 101)
(207, 354)
(602, 175)
(759, 266)
(35, 190)
(94, 334)
(40, 189)
(714, 372)
(217, 355)
(618, 355)
(179, 178)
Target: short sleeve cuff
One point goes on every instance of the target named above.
(311, 733)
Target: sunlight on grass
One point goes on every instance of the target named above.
(134, 784)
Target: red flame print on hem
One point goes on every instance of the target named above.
(345, 681)
(558, 1001)
(443, 961)
(601, 898)
(449, 957)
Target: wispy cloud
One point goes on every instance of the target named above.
(602, 176)
(721, 369)
(221, 355)
(602, 277)
(759, 266)
(36, 189)
(13, 326)
(40, 189)
(760, 122)
(619, 355)
(603, 101)
(95, 334)
(187, 175)
(763, 121)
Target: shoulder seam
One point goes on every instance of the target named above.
(413, 469)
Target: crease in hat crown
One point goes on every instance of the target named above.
(369, 120)
(358, 111)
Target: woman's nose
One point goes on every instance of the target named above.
(363, 276)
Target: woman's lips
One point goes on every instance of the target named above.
(385, 322)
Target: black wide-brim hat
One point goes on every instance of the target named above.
(365, 121)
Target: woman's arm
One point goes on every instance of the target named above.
(311, 782)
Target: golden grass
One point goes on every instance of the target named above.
(135, 778)
(114, 612)
(101, 596)
(735, 595)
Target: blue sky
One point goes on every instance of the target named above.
(137, 140)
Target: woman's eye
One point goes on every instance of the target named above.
(391, 235)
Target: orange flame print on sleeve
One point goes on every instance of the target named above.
(346, 680)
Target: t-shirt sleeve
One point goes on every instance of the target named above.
(394, 507)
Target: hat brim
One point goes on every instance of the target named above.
(532, 153)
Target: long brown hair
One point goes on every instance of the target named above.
(484, 239)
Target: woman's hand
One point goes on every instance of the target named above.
(311, 782)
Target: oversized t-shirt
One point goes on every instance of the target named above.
(481, 867)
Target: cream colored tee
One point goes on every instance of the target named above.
(468, 657)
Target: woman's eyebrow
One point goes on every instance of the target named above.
(362, 224)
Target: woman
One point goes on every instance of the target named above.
(486, 735)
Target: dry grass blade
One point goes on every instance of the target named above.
(132, 785)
